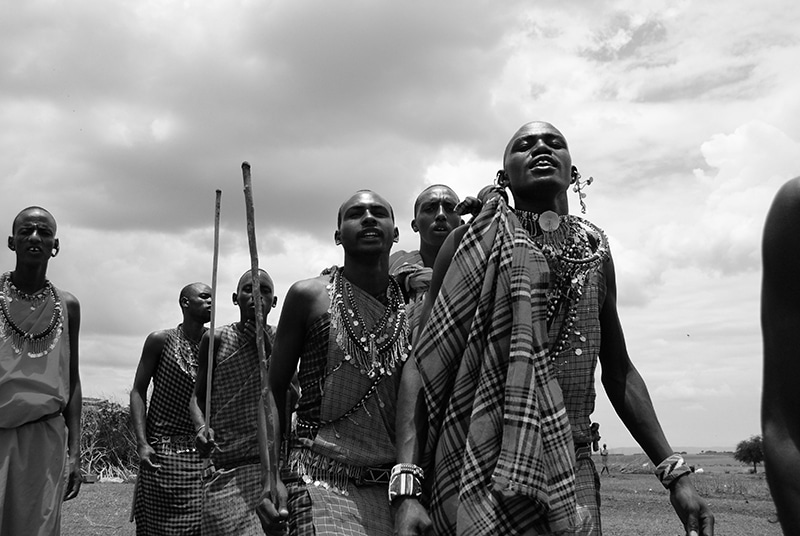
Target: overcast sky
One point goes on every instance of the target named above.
(124, 117)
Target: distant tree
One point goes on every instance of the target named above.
(750, 451)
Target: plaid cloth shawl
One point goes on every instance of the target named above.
(497, 423)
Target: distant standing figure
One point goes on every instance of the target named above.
(169, 494)
(780, 319)
(40, 388)
(604, 457)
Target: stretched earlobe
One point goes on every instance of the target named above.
(274, 302)
(575, 176)
(501, 179)
(337, 238)
(235, 299)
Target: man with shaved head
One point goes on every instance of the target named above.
(169, 492)
(494, 410)
(435, 217)
(231, 437)
(40, 386)
(346, 330)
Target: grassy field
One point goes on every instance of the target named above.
(633, 501)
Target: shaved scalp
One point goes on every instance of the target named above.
(428, 189)
(247, 277)
(346, 204)
(519, 130)
(31, 209)
(191, 288)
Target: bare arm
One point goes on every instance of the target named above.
(72, 413)
(151, 353)
(628, 394)
(780, 320)
(305, 301)
(411, 422)
(204, 440)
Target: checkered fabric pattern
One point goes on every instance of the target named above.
(575, 373)
(235, 394)
(170, 500)
(230, 500)
(168, 411)
(415, 278)
(498, 430)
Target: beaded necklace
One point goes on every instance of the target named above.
(565, 243)
(186, 353)
(38, 344)
(379, 350)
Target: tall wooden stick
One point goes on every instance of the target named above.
(267, 453)
(210, 362)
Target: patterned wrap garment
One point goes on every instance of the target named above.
(345, 429)
(170, 500)
(575, 372)
(233, 489)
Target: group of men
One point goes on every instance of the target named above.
(446, 390)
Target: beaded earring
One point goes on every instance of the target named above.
(578, 184)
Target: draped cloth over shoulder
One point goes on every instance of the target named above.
(499, 448)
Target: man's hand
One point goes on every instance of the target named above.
(273, 516)
(204, 442)
(74, 478)
(147, 458)
(691, 508)
(411, 518)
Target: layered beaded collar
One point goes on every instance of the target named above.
(34, 344)
(572, 255)
(375, 352)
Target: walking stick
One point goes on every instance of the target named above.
(210, 362)
(268, 457)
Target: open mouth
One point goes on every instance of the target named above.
(370, 234)
(544, 162)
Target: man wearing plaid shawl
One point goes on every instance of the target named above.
(493, 406)
(169, 488)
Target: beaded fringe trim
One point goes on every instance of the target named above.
(318, 470)
(358, 352)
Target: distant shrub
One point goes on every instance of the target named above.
(108, 444)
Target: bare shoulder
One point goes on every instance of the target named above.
(782, 230)
(71, 303)
(785, 209)
(308, 297)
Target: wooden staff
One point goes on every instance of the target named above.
(210, 362)
(268, 458)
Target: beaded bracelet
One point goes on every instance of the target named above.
(405, 481)
(671, 469)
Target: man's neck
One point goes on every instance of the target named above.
(369, 274)
(29, 279)
(428, 253)
(193, 329)
(557, 204)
